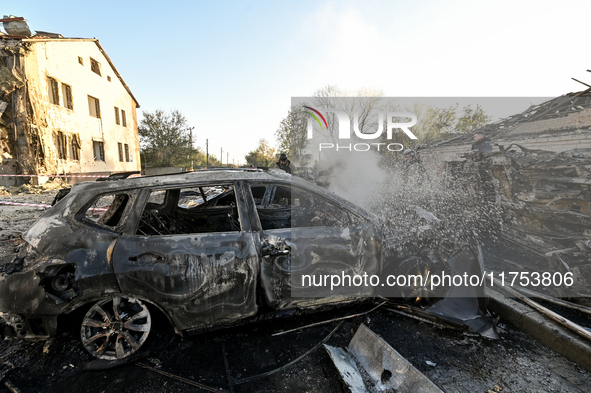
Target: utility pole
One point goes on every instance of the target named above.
(227, 158)
(191, 151)
(221, 156)
(207, 153)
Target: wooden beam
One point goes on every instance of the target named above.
(560, 302)
(18, 19)
(581, 82)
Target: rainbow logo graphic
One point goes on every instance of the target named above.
(314, 116)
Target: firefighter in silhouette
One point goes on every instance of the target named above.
(283, 163)
(414, 170)
(481, 143)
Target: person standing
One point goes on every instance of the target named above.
(413, 167)
(284, 164)
(481, 143)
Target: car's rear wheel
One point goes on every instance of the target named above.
(115, 328)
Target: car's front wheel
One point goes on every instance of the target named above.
(115, 328)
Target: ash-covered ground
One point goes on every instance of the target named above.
(464, 362)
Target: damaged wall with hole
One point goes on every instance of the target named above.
(64, 108)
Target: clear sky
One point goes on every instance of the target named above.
(231, 67)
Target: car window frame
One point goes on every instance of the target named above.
(144, 196)
(80, 215)
(269, 194)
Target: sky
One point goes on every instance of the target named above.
(232, 67)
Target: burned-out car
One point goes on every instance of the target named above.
(205, 249)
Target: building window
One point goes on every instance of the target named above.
(109, 78)
(75, 149)
(120, 145)
(99, 150)
(126, 152)
(95, 66)
(80, 60)
(54, 96)
(94, 107)
(123, 118)
(117, 116)
(61, 145)
(67, 94)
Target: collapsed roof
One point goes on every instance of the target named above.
(517, 126)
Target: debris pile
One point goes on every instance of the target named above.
(546, 199)
(33, 189)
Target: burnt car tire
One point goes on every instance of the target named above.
(115, 328)
(414, 293)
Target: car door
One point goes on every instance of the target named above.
(305, 239)
(192, 252)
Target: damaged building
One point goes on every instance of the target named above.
(540, 174)
(557, 125)
(64, 107)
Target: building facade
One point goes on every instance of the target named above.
(66, 108)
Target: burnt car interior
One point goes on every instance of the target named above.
(207, 209)
(281, 206)
(200, 209)
(107, 210)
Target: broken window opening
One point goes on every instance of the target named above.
(75, 148)
(67, 93)
(123, 118)
(289, 207)
(107, 210)
(190, 210)
(61, 144)
(94, 107)
(126, 152)
(108, 78)
(117, 121)
(38, 149)
(157, 197)
(120, 146)
(80, 60)
(95, 66)
(54, 96)
(258, 193)
(99, 150)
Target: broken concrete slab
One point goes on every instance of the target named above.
(542, 328)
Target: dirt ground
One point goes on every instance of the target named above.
(464, 362)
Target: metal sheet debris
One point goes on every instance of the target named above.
(16, 26)
(388, 370)
(347, 367)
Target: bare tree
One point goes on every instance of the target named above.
(363, 102)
